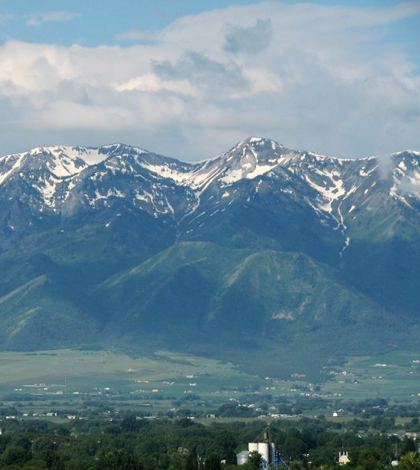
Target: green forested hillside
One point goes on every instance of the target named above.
(275, 259)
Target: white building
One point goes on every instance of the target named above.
(343, 458)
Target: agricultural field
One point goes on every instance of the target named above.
(73, 377)
(68, 379)
(394, 376)
(84, 371)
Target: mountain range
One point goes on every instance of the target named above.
(275, 259)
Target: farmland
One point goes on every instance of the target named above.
(395, 375)
(69, 378)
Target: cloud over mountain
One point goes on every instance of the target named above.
(305, 74)
(249, 39)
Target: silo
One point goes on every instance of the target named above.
(272, 451)
(264, 450)
(242, 457)
(253, 447)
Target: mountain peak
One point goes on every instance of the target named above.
(269, 245)
(262, 142)
(121, 147)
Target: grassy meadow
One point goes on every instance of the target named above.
(69, 378)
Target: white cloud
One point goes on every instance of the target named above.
(249, 39)
(318, 77)
(36, 19)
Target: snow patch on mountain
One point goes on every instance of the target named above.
(48, 190)
(166, 171)
(332, 190)
(66, 176)
(16, 160)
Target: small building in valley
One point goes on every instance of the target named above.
(343, 458)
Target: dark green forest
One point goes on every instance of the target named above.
(134, 443)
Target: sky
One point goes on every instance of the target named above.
(190, 79)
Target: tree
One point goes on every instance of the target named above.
(15, 455)
(192, 462)
(43, 444)
(213, 462)
(120, 460)
(294, 447)
(53, 461)
(254, 461)
(408, 446)
(230, 457)
(129, 423)
(410, 461)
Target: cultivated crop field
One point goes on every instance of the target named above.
(395, 375)
(70, 372)
(156, 381)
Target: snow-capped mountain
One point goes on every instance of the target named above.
(57, 182)
(118, 242)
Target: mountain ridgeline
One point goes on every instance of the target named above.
(275, 259)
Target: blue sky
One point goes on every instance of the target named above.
(189, 78)
(98, 22)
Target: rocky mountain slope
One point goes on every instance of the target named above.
(260, 248)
